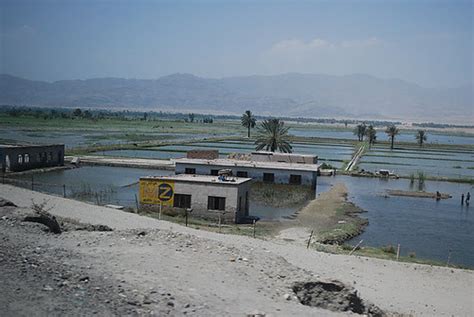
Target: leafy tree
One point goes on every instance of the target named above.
(371, 134)
(77, 112)
(191, 117)
(248, 121)
(359, 130)
(392, 131)
(87, 114)
(272, 136)
(421, 137)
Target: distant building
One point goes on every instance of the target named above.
(16, 158)
(270, 172)
(207, 196)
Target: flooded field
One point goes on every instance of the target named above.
(116, 185)
(404, 136)
(74, 139)
(334, 154)
(103, 184)
(429, 228)
(405, 161)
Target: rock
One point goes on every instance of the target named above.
(47, 288)
(171, 304)
(287, 296)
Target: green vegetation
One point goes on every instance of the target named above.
(371, 134)
(420, 137)
(392, 132)
(273, 136)
(281, 195)
(349, 225)
(360, 131)
(248, 121)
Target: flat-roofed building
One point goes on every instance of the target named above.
(270, 172)
(265, 156)
(208, 196)
(16, 158)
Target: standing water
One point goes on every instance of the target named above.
(429, 228)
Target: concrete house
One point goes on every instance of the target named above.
(270, 172)
(16, 158)
(264, 156)
(207, 196)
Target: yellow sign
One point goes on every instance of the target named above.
(156, 192)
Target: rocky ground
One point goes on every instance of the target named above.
(150, 267)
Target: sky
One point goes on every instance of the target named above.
(426, 42)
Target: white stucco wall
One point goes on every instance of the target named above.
(201, 191)
(281, 176)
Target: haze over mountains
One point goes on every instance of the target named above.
(292, 94)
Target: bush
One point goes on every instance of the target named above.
(412, 255)
(389, 249)
(326, 166)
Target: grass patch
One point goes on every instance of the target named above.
(281, 195)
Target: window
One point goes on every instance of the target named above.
(188, 170)
(295, 179)
(216, 203)
(20, 159)
(215, 172)
(268, 177)
(27, 158)
(182, 201)
(242, 174)
(38, 157)
(239, 208)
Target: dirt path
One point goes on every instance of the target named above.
(176, 270)
(330, 216)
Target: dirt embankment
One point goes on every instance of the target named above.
(150, 267)
(331, 217)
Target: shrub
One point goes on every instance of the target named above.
(389, 249)
(412, 255)
(327, 166)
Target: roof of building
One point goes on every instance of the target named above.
(27, 145)
(283, 154)
(250, 164)
(200, 179)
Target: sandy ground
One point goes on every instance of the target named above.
(318, 216)
(176, 270)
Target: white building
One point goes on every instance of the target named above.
(271, 172)
(208, 196)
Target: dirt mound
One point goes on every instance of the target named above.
(6, 203)
(334, 296)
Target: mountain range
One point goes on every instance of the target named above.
(292, 94)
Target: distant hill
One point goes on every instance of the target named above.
(303, 95)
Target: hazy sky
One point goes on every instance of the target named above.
(427, 42)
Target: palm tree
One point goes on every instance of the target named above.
(371, 134)
(392, 131)
(421, 137)
(248, 121)
(360, 131)
(272, 136)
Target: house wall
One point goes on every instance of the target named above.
(281, 176)
(199, 200)
(31, 157)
